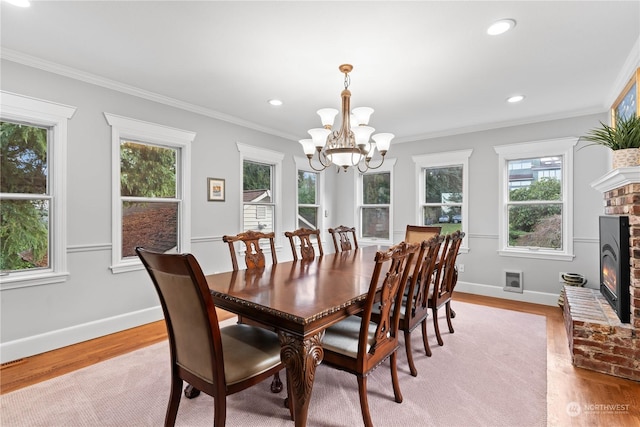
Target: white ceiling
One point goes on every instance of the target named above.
(427, 67)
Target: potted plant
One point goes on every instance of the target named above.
(623, 139)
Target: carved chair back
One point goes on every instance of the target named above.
(254, 256)
(307, 252)
(341, 234)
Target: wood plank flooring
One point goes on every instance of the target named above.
(575, 397)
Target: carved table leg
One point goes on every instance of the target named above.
(300, 358)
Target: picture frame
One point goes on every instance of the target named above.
(513, 281)
(215, 189)
(626, 104)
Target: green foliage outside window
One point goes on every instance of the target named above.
(256, 176)
(376, 189)
(536, 224)
(306, 188)
(307, 195)
(147, 170)
(24, 224)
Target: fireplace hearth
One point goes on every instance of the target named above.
(598, 339)
(614, 264)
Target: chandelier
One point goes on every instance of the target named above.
(349, 145)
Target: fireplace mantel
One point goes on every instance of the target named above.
(617, 178)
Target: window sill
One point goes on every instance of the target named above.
(127, 266)
(26, 280)
(537, 255)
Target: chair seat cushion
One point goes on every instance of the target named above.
(343, 336)
(248, 351)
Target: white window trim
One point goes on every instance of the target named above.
(387, 166)
(443, 159)
(265, 156)
(302, 164)
(553, 147)
(39, 112)
(126, 128)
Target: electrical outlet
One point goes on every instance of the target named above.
(461, 268)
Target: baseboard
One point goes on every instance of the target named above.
(497, 292)
(36, 344)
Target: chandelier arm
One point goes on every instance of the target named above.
(366, 167)
(312, 167)
(322, 155)
(373, 167)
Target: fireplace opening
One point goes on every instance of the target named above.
(615, 266)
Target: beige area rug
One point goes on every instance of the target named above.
(490, 372)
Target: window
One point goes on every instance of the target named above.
(443, 182)
(260, 188)
(151, 188)
(374, 196)
(536, 199)
(32, 191)
(309, 207)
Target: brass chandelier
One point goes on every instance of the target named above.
(349, 145)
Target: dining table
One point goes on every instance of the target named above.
(299, 299)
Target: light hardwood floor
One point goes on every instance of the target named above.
(602, 400)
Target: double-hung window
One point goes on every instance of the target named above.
(33, 141)
(375, 189)
(261, 183)
(443, 182)
(536, 208)
(151, 188)
(309, 206)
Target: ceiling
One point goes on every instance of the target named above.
(428, 68)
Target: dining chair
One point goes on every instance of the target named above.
(307, 252)
(254, 256)
(342, 233)
(254, 259)
(358, 344)
(217, 361)
(415, 307)
(419, 233)
(445, 278)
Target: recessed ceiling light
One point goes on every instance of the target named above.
(19, 3)
(275, 102)
(501, 26)
(515, 98)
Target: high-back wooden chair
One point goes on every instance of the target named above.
(444, 281)
(342, 233)
(254, 259)
(420, 233)
(254, 256)
(307, 252)
(217, 361)
(415, 308)
(358, 344)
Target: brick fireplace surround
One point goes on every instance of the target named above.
(597, 339)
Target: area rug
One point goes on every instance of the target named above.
(490, 372)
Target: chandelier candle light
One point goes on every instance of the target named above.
(349, 145)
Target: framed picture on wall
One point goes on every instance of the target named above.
(215, 189)
(626, 105)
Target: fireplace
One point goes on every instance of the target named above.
(615, 264)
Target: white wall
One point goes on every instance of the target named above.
(95, 302)
(483, 266)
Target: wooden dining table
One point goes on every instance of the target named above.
(299, 299)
